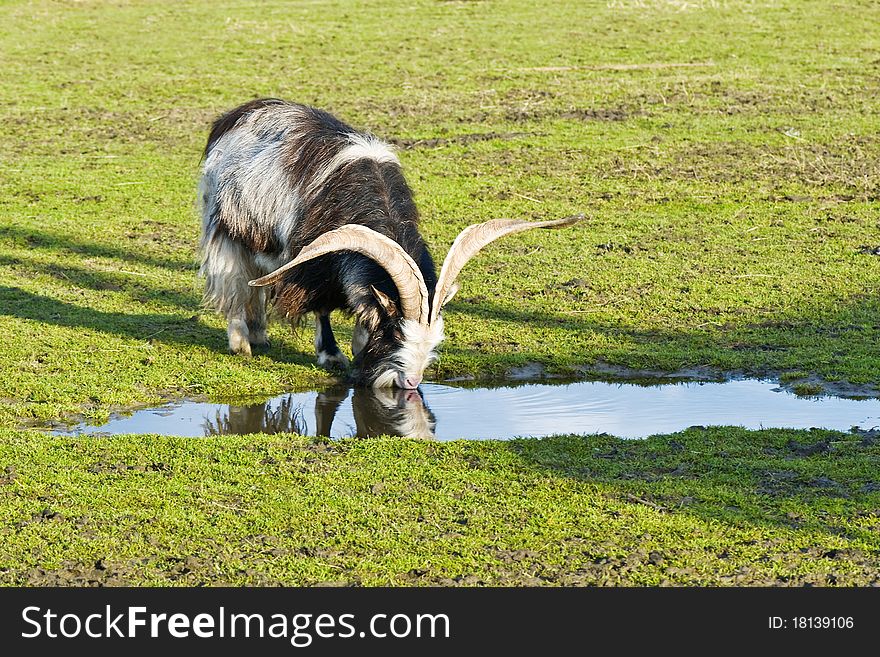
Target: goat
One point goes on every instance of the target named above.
(295, 199)
(376, 411)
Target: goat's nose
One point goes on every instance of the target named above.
(411, 382)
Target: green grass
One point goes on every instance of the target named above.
(707, 506)
(725, 153)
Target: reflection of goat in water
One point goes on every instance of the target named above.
(259, 418)
(378, 412)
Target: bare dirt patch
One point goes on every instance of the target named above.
(645, 66)
(612, 114)
(851, 162)
(436, 142)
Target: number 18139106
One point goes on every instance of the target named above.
(811, 623)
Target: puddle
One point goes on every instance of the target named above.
(445, 412)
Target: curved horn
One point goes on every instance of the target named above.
(385, 251)
(475, 237)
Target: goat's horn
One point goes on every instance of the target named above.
(472, 239)
(385, 251)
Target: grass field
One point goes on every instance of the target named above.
(725, 153)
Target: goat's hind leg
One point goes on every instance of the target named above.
(326, 349)
(227, 267)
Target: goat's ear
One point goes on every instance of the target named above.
(385, 301)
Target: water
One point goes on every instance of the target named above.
(446, 412)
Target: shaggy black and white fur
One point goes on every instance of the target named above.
(276, 176)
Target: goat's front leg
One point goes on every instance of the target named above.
(239, 336)
(256, 319)
(326, 348)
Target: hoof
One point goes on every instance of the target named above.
(238, 337)
(337, 361)
(259, 338)
(240, 347)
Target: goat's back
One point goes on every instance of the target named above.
(278, 174)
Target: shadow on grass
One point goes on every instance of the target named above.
(820, 481)
(163, 328)
(826, 334)
(46, 240)
(832, 336)
(168, 329)
(138, 288)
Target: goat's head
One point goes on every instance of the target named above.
(404, 333)
(397, 351)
